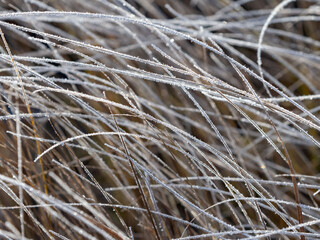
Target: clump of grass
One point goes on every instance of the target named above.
(159, 119)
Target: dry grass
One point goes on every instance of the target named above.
(159, 119)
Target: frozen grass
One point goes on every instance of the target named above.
(160, 119)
